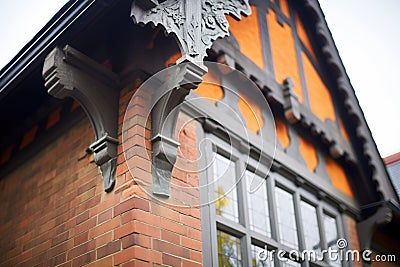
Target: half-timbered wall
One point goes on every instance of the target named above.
(276, 40)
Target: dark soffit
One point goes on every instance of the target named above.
(72, 17)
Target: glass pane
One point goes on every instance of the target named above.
(226, 203)
(290, 263)
(332, 237)
(286, 218)
(260, 257)
(258, 204)
(229, 254)
(310, 225)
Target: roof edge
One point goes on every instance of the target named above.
(392, 158)
(370, 151)
(33, 53)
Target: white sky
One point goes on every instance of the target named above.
(367, 35)
(20, 20)
(366, 32)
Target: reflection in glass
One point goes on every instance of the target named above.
(260, 257)
(286, 218)
(310, 225)
(331, 234)
(290, 263)
(225, 192)
(258, 204)
(229, 253)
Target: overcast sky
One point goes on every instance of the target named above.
(367, 35)
(366, 32)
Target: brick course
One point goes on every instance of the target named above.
(353, 237)
(56, 213)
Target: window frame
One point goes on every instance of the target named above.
(211, 222)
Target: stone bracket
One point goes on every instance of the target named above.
(164, 116)
(366, 228)
(196, 24)
(69, 73)
(291, 103)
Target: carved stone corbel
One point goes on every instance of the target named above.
(195, 24)
(291, 103)
(164, 116)
(367, 228)
(69, 73)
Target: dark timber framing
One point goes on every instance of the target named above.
(294, 111)
(298, 55)
(262, 10)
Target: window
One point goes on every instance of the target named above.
(260, 257)
(258, 204)
(332, 236)
(286, 218)
(310, 221)
(290, 263)
(226, 204)
(253, 213)
(229, 252)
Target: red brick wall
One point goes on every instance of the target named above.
(353, 237)
(47, 203)
(55, 212)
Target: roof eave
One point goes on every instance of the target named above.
(330, 51)
(55, 32)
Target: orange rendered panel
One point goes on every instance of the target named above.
(247, 33)
(210, 90)
(343, 131)
(172, 59)
(301, 31)
(338, 177)
(282, 133)
(285, 8)
(284, 53)
(309, 154)
(320, 99)
(251, 113)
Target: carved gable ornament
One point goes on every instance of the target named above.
(195, 23)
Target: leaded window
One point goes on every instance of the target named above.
(225, 188)
(229, 251)
(253, 214)
(286, 218)
(309, 218)
(258, 204)
(331, 233)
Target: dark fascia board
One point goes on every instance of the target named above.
(393, 205)
(334, 62)
(62, 24)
